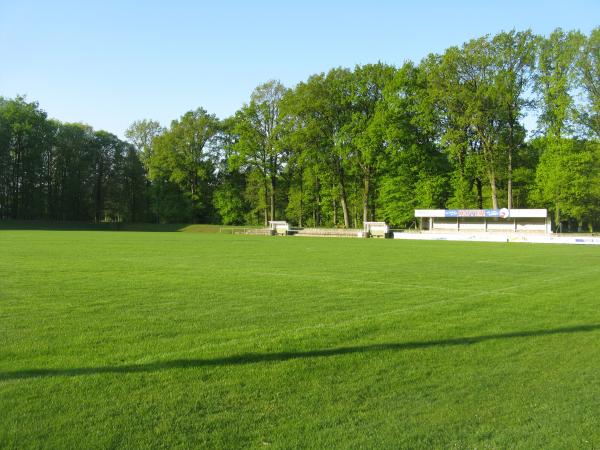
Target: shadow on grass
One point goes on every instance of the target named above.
(105, 226)
(252, 358)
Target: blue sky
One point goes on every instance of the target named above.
(108, 63)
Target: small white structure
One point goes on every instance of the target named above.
(376, 229)
(279, 227)
(484, 220)
(489, 225)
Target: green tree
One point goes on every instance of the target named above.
(462, 82)
(568, 180)
(106, 150)
(554, 81)
(25, 139)
(142, 133)
(73, 155)
(589, 81)
(5, 163)
(258, 126)
(134, 185)
(230, 183)
(413, 173)
(515, 62)
(454, 134)
(182, 156)
(320, 108)
(364, 131)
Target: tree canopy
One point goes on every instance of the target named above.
(345, 146)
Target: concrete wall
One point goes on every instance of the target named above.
(476, 224)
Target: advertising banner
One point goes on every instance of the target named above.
(498, 213)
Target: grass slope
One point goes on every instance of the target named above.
(214, 341)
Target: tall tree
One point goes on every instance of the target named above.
(364, 132)
(557, 56)
(573, 193)
(106, 149)
(322, 109)
(228, 198)
(142, 133)
(413, 172)
(74, 152)
(464, 83)
(134, 185)
(259, 143)
(515, 61)
(589, 80)
(456, 138)
(182, 155)
(26, 136)
(5, 163)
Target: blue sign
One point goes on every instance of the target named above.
(498, 213)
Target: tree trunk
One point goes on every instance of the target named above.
(343, 197)
(272, 198)
(494, 193)
(366, 193)
(494, 190)
(317, 207)
(488, 155)
(99, 198)
(17, 181)
(511, 145)
(479, 186)
(273, 183)
(509, 188)
(344, 207)
(159, 200)
(49, 203)
(78, 196)
(334, 206)
(372, 202)
(301, 198)
(266, 208)
(193, 190)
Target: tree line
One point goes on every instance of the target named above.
(350, 145)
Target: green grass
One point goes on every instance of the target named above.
(146, 340)
(114, 226)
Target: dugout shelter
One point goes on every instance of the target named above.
(484, 220)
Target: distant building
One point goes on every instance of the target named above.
(484, 220)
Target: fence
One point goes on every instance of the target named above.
(245, 230)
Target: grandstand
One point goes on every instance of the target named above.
(489, 225)
(484, 220)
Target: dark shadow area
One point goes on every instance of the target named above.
(105, 226)
(252, 358)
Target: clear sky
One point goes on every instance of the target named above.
(108, 63)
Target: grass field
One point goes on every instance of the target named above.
(147, 340)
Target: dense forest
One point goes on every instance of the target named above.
(369, 143)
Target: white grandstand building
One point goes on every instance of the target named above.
(489, 225)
